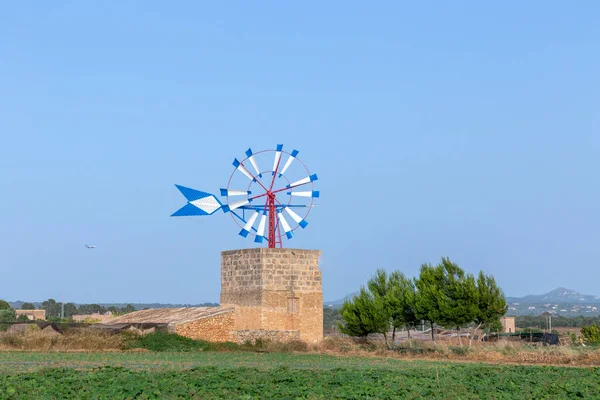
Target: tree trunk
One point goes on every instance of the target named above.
(432, 337)
(387, 345)
(408, 330)
(473, 334)
(394, 335)
(458, 336)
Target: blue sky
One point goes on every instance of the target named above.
(457, 129)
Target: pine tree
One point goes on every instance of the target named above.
(459, 304)
(492, 303)
(401, 301)
(429, 295)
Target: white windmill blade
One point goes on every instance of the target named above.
(231, 192)
(303, 181)
(289, 161)
(299, 220)
(277, 157)
(246, 229)
(233, 206)
(238, 165)
(253, 162)
(260, 232)
(309, 193)
(285, 225)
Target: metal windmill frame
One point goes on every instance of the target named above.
(269, 214)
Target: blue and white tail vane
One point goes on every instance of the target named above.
(266, 206)
(199, 203)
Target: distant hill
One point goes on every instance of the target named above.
(560, 295)
(337, 303)
(138, 306)
(560, 301)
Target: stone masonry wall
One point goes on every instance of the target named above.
(243, 336)
(274, 289)
(216, 328)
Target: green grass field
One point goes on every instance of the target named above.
(239, 375)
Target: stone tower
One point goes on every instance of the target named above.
(274, 290)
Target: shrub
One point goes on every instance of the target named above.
(162, 341)
(591, 333)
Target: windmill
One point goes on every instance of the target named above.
(261, 201)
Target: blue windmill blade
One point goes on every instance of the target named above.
(260, 232)
(253, 162)
(199, 203)
(303, 181)
(284, 224)
(308, 193)
(289, 161)
(248, 227)
(298, 219)
(277, 158)
(240, 167)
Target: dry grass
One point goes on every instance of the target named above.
(499, 352)
(74, 340)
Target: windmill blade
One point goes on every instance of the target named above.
(238, 165)
(246, 229)
(277, 157)
(260, 232)
(253, 162)
(309, 193)
(303, 181)
(233, 206)
(299, 220)
(230, 192)
(289, 161)
(285, 225)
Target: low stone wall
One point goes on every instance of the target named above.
(216, 328)
(250, 335)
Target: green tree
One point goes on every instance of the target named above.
(591, 333)
(70, 310)
(22, 318)
(492, 303)
(363, 315)
(27, 306)
(401, 301)
(429, 295)
(90, 309)
(7, 315)
(52, 308)
(127, 309)
(459, 304)
(4, 305)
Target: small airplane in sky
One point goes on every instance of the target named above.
(90, 246)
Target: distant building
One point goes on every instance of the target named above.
(508, 324)
(94, 317)
(33, 315)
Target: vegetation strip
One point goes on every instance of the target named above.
(351, 379)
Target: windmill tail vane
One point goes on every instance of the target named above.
(266, 203)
